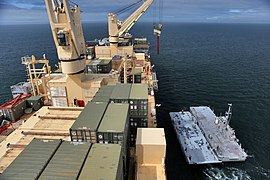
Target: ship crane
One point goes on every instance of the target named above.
(118, 29)
(68, 36)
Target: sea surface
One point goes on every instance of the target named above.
(199, 64)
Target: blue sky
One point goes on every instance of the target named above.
(219, 11)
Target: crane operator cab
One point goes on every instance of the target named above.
(62, 37)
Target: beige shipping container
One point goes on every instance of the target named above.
(150, 146)
(140, 56)
(125, 50)
(102, 51)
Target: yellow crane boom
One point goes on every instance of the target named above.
(117, 29)
(68, 36)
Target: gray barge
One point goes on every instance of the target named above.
(205, 138)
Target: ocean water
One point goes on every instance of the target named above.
(199, 64)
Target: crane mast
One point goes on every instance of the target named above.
(68, 36)
(118, 29)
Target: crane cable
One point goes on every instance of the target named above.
(127, 7)
(157, 26)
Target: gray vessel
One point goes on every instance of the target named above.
(206, 138)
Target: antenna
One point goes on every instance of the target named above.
(228, 114)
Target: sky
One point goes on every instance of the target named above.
(205, 11)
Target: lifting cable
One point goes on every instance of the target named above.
(158, 25)
(71, 2)
(128, 7)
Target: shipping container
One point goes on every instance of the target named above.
(134, 124)
(114, 126)
(138, 100)
(14, 109)
(103, 162)
(99, 66)
(35, 102)
(103, 94)
(32, 160)
(137, 75)
(138, 122)
(120, 93)
(105, 66)
(67, 161)
(129, 78)
(133, 135)
(86, 125)
(92, 66)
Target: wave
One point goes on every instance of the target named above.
(232, 173)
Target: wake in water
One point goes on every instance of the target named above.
(213, 173)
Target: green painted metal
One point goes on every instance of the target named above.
(104, 162)
(86, 125)
(32, 160)
(138, 100)
(103, 94)
(115, 118)
(35, 102)
(67, 161)
(120, 93)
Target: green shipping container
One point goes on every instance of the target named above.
(35, 102)
(16, 112)
(86, 125)
(66, 162)
(138, 100)
(120, 93)
(105, 162)
(32, 160)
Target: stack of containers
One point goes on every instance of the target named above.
(52, 159)
(104, 161)
(138, 100)
(103, 94)
(114, 128)
(86, 125)
(99, 66)
(120, 93)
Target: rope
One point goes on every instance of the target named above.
(128, 7)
